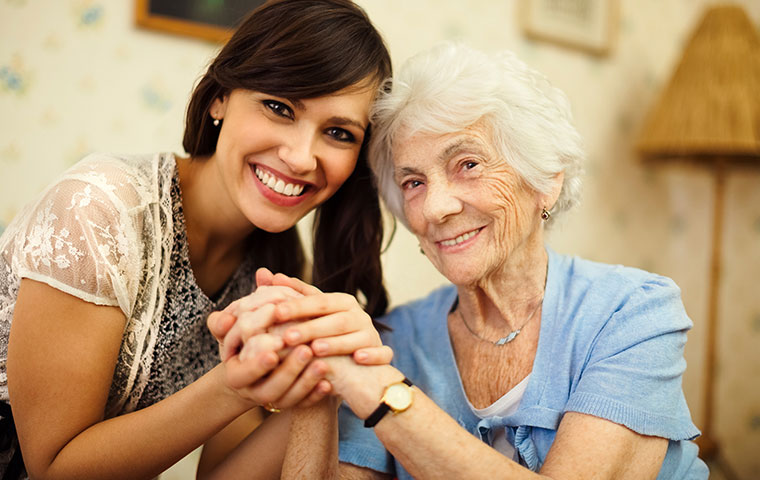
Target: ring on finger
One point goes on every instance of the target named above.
(269, 407)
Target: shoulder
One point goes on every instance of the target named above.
(588, 275)
(592, 299)
(130, 180)
(576, 280)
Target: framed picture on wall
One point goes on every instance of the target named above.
(588, 25)
(212, 20)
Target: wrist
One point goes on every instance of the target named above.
(232, 397)
(363, 393)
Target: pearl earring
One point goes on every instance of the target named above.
(216, 122)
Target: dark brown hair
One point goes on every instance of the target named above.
(300, 49)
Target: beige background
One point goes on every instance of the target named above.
(76, 76)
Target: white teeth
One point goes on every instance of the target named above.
(278, 185)
(460, 238)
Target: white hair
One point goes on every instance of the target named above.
(452, 87)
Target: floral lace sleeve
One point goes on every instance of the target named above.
(81, 237)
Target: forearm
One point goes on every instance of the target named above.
(144, 443)
(312, 449)
(431, 444)
(259, 455)
(424, 438)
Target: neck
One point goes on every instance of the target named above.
(216, 229)
(505, 299)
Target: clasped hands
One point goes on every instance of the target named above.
(274, 341)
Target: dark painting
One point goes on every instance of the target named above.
(208, 19)
(222, 13)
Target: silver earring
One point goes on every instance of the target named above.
(216, 122)
(545, 214)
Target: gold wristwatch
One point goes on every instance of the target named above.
(397, 397)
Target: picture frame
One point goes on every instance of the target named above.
(587, 25)
(211, 20)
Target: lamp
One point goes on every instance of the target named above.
(709, 113)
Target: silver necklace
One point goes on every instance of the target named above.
(510, 336)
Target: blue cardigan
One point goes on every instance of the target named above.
(610, 345)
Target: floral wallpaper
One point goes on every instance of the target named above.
(77, 76)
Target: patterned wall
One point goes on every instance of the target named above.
(76, 76)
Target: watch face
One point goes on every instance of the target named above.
(398, 396)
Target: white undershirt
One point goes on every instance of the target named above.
(506, 405)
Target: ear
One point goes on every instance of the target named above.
(219, 107)
(550, 198)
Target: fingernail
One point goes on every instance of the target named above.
(319, 369)
(319, 347)
(304, 354)
(269, 361)
(361, 355)
(293, 336)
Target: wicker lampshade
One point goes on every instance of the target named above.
(710, 109)
(710, 112)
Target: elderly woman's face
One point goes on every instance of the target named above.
(470, 211)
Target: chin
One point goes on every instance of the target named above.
(461, 278)
(275, 228)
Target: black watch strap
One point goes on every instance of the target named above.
(381, 410)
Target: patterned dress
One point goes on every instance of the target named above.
(111, 231)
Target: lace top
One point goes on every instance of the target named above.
(111, 231)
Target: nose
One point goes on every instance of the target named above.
(441, 201)
(299, 153)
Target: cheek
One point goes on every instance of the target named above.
(413, 213)
(339, 168)
(511, 207)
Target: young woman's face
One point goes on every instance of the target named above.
(279, 159)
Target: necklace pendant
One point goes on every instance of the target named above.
(508, 338)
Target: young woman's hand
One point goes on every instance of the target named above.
(248, 316)
(261, 373)
(332, 323)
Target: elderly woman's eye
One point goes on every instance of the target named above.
(469, 165)
(410, 184)
(279, 108)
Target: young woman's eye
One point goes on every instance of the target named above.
(341, 135)
(279, 108)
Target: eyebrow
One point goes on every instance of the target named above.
(458, 144)
(340, 121)
(343, 121)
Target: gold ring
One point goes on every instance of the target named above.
(271, 408)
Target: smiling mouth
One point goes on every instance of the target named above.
(278, 185)
(460, 239)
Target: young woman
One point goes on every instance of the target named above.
(107, 369)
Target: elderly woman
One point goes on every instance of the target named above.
(531, 361)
